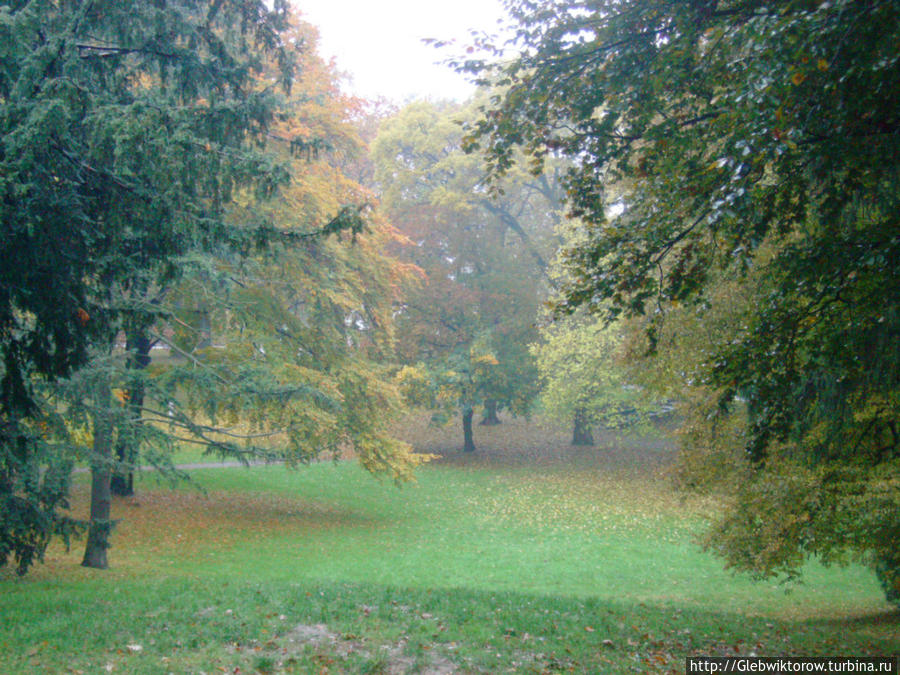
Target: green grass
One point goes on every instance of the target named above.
(528, 558)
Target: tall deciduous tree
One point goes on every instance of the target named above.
(484, 257)
(320, 313)
(580, 359)
(760, 137)
(316, 309)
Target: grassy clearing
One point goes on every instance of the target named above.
(530, 557)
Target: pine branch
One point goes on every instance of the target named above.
(102, 51)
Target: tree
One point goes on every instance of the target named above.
(463, 380)
(580, 358)
(342, 291)
(758, 141)
(124, 129)
(331, 297)
(484, 259)
(137, 146)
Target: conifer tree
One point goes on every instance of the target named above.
(136, 141)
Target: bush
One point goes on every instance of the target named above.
(887, 569)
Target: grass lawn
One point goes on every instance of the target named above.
(529, 556)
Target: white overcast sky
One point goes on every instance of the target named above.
(378, 43)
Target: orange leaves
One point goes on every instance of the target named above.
(485, 359)
(800, 75)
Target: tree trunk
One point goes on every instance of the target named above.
(100, 525)
(205, 328)
(490, 413)
(122, 483)
(581, 434)
(468, 439)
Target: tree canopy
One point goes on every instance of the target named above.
(583, 376)
(754, 143)
(140, 145)
(469, 322)
(126, 127)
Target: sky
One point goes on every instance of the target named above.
(378, 43)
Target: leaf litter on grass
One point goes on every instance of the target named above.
(621, 485)
(529, 482)
(161, 526)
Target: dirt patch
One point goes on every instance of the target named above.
(387, 658)
(315, 634)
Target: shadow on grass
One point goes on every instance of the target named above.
(888, 620)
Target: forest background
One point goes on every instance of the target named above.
(650, 211)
